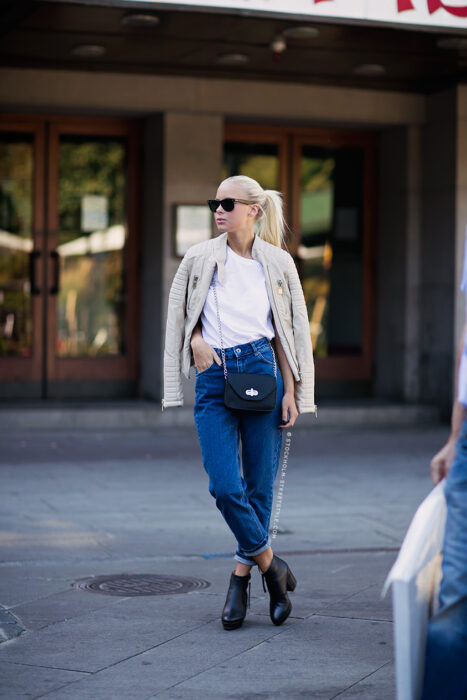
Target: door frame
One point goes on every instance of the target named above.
(96, 368)
(30, 369)
(351, 367)
(45, 366)
(290, 140)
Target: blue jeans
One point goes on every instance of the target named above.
(446, 649)
(245, 500)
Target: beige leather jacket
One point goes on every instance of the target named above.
(186, 300)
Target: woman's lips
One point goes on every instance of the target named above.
(220, 221)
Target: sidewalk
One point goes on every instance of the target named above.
(86, 504)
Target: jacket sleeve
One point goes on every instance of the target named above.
(174, 337)
(305, 388)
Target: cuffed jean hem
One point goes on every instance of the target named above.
(251, 562)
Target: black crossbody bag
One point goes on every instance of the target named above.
(246, 391)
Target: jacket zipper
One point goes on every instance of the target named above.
(280, 321)
(193, 287)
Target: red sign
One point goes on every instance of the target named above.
(433, 6)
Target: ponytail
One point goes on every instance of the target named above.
(271, 223)
(270, 217)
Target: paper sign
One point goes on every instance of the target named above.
(94, 212)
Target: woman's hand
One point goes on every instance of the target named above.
(441, 462)
(203, 353)
(289, 410)
(289, 407)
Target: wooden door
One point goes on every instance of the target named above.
(79, 246)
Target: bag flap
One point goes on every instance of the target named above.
(252, 387)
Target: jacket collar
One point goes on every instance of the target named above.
(220, 253)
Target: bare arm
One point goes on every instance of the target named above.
(441, 462)
(289, 408)
(458, 409)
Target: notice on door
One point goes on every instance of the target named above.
(94, 212)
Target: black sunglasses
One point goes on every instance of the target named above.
(227, 204)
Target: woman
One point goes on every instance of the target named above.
(259, 299)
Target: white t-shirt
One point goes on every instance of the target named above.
(462, 387)
(244, 307)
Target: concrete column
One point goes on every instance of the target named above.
(152, 259)
(438, 250)
(412, 267)
(193, 149)
(391, 265)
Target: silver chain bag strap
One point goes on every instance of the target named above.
(247, 391)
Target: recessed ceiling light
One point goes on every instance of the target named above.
(233, 59)
(369, 69)
(454, 43)
(140, 19)
(301, 32)
(278, 44)
(88, 50)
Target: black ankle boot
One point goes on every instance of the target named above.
(279, 580)
(235, 606)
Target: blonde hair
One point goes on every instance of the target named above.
(270, 217)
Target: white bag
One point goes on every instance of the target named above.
(415, 579)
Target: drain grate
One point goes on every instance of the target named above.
(140, 584)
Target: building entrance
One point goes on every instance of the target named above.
(328, 180)
(68, 294)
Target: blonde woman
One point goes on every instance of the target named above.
(238, 295)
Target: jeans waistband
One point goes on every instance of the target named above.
(253, 346)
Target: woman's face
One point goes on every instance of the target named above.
(243, 215)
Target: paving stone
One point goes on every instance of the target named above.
(379, 685)
(10, 626)
(106, 636)
(178, 659)
(23, 682)
(316, 658)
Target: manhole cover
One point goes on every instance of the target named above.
(140, 584)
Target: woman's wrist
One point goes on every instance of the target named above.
(196, 335)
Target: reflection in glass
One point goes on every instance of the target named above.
(257, 160)
(331, 200)
(91, 246)
(16, 243)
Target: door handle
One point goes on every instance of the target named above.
(56, 279)
(33, 256)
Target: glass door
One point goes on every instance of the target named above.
(327, 178)
(333, 190)
(68, 279)
(21, 256)
(92, 307)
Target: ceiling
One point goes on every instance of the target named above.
(43, 34)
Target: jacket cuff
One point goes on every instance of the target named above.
(169, 404)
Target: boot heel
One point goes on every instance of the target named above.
(291, 581)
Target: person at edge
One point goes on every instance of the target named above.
(445, 676)
(260, 299)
